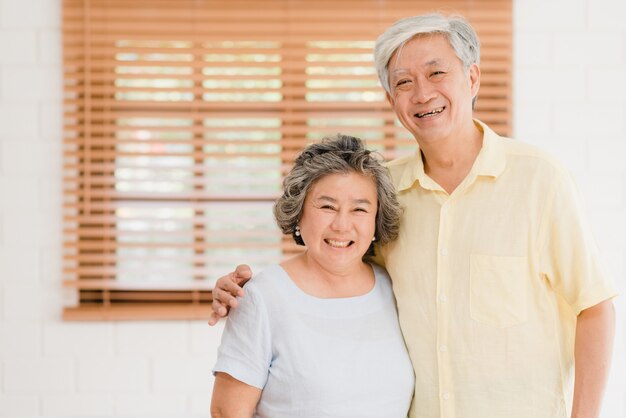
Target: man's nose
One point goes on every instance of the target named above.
(423, 91)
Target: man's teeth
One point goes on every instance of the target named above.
(432, 112)
(338, 244)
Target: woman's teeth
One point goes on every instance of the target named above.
(338, 244)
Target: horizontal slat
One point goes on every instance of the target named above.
(120, 233)
(479, 12)
(486, 38)
(110, 274)
(117, 285)
(495, 64)
(190, 114)
(111, 258)
(184, 198)
(476, 10)
(199, 246)
(104, 105)
(194, 140)
(137, 312)
(98, 91)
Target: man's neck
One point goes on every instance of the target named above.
(450, 160)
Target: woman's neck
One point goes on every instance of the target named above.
(321, 281)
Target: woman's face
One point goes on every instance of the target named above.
(338, 220)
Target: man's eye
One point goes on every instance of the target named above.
(401, 82)
(436, 73)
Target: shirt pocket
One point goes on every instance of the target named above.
(498, 289)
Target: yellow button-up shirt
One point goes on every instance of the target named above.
(489, 281)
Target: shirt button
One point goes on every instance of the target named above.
(446, 396)
(444, 252)
(443, 348)
(443, 298)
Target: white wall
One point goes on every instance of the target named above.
(570, 98)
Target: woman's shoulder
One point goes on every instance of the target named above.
(264, 283)
(259, 292)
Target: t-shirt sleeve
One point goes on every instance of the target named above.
(245, 351)
(570, 258)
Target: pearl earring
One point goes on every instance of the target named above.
(297, 232)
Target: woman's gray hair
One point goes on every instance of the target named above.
(335, 155)
(456, 29)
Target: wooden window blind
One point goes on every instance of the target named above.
(181, 117)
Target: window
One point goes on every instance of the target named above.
(182, 116)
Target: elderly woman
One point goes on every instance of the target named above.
(318, 335)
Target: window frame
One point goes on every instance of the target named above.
(91, 29)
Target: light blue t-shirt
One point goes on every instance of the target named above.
(315, 357)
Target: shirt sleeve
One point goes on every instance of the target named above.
(245, 351)
(570, 258)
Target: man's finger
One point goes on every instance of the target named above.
(225, 299)
(229, 289)
(226, 290)
(219, 307)
(242, 273)
(213, 319)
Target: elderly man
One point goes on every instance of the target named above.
(504, 307)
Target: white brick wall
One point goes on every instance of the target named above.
(570, 99)
(76, 405)
(32, 375)
(19, 405)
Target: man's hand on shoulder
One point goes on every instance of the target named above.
(226, 290)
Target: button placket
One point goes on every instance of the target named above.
(443, 271)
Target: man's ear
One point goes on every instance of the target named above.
(474, 76)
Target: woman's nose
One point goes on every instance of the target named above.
(340, 222)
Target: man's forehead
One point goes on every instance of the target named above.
(430, 63)
(431, 56)
(397, 68)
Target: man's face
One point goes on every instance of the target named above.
(431, 91)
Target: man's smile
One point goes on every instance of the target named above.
(430, 113)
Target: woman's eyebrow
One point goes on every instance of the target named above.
(333, 200)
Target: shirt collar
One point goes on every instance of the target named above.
(490, 162)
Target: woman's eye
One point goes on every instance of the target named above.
(328, 207)
(360, 210)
